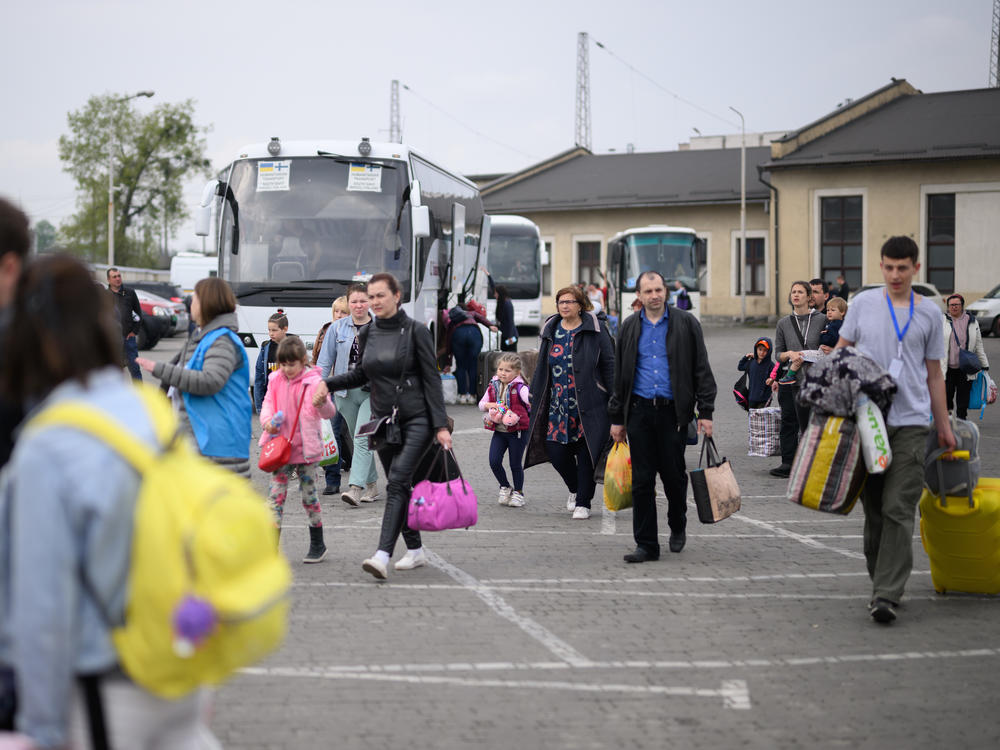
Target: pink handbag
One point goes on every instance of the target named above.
(436, 506)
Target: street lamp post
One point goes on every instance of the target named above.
(743, 217)
(111, 180)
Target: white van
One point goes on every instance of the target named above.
(187, 269)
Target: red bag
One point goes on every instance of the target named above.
(277, 451)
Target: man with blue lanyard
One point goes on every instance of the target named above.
(661, 374)
(902, 332)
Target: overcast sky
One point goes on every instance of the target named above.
(506, 71)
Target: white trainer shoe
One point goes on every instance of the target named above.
(504, 497)
(370, 495)
(412, 559)
(516, 500)
(580, 513)
(352, 496)
(571, 502)
(376, 568)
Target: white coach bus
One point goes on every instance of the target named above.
(673, 251)
(298, 222)
(515, 261)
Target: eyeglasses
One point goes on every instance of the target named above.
(568, 302)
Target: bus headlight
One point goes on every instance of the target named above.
(161, 311)
(274, 147)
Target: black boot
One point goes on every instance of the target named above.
(317, 550)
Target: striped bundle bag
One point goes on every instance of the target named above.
(829, 470)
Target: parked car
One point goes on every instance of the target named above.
(922, 288)
(154, 304)
(165, 289)
(987, 312)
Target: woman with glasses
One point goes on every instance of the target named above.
(961, 331)
(569, 396)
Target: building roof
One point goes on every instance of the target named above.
(912, 127)
(579, 180)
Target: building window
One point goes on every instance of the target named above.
(588, 263)
(941, 241)
(840, 239)
(547, 269)
(755, 265)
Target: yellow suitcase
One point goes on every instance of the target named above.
(962, 539)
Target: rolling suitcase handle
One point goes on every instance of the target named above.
(948, 455)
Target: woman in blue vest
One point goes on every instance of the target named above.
(210, 390)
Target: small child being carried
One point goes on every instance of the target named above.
(506, 403)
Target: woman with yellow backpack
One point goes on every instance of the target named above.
(67, 504)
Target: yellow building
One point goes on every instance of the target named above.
(896, 162)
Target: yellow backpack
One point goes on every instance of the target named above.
(200, 533)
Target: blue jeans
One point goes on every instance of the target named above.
(131, 346)
(514, 443)
(332, 472)
(466, 343)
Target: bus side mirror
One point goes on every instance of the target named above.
(420, 221)
(203, 214)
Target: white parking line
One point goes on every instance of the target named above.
(801, 538)
(734, 693)
(689, 579)
(546, 637)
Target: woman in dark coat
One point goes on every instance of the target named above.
(569, 397)
(505, 319)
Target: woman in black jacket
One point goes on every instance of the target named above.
(569, 396)
(397, 361)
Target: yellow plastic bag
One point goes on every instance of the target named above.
(618, 478)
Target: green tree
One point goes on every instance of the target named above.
(153, 155)
(45, 235)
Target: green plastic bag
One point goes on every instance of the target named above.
(618, 478)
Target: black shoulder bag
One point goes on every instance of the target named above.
(386, 430)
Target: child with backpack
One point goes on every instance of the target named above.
(758, 365)
(267, 363)
(290, 391)
(506, 403)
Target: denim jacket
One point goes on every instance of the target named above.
(336, 352)
(70, 501)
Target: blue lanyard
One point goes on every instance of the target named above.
(892, 312)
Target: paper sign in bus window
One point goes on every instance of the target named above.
(273, 175)
(364, 177)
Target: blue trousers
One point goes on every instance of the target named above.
(514, 444)
(466, 343)
(131, 346)
(332, 472)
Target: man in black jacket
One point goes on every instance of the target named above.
(661, 374)
(15, 243)
(130, 317)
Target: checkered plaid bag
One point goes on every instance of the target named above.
(764, 429)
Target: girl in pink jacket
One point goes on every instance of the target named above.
(290, 391)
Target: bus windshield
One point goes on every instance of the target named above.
(315, 219)
(513, 262)
(672, 254)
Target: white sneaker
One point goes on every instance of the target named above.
(504, 497)
(377, 568)
(571, 502)
(370, 495)
(352, 496)
(516, 500)
(580, 513)
(411, 560)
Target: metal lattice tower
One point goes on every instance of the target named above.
(995, 47)
(583, 90)
(395, 131)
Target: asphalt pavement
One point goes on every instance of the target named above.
(529, 631)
